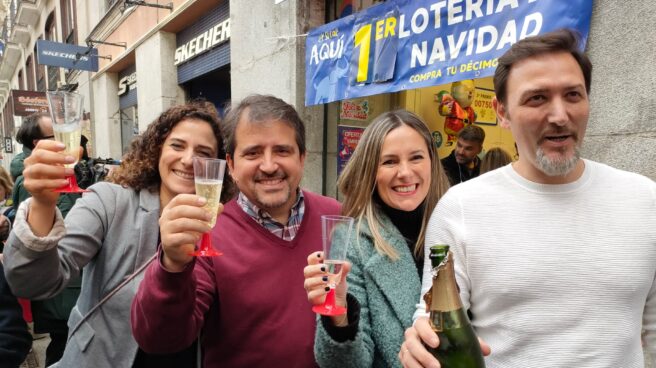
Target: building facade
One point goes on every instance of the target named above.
(155, 54)
(23, 80)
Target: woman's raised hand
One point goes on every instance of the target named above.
(316, 284)
(181, 225)
(44, 172)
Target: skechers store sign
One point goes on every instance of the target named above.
(204, 42)
(67, 56)
(127, 83)
(403, 44)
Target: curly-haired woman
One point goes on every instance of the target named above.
(111, 233)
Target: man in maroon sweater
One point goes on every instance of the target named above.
(248, 306)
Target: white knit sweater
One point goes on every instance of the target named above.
(555, 275)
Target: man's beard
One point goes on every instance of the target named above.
(558, 166)
(273, 204)
(261, 198)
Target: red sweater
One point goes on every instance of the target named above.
(250, 302)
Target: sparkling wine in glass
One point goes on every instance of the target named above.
(208, 178)
(66, 111)
(336, 232)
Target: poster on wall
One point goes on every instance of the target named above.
(347, 139)
(405, 44)
(482, 105)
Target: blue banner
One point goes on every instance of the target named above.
(406, 44)
(66, 55)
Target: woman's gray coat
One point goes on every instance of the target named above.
(110, 232)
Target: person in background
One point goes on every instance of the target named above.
(111, 234)
(495, 158)
(15, 339)
(6, 185)
(463, 162)
(555, 256)
(247, 305)
(49, 315)
(391, 185)
(33, 128)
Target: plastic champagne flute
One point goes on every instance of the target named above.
(336, 232)
(66, 111)
(208, 179)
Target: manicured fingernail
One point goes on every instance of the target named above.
(202, 200)
(327, 288)
(69, 159)
(69, 171)
(325, 278)
(323, 269)
(59, 145)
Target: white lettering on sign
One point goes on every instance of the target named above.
(204, 42)
(66, 55)
(127, 83)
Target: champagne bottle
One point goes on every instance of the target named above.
(459, 346)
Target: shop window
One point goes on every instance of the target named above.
(21, 82)
(129, 127)
(51, 31)
(8, 121)
(40, 74)
(341, 8)
(29, 72)
(68, 21)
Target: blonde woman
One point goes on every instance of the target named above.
(6, 185)
(391, 185)
(495, 158)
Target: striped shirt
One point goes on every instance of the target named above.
(284, 231)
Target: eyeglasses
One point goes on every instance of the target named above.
(50, 137)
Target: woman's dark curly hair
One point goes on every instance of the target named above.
(139, 167)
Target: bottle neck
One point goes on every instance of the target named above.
(444, 293)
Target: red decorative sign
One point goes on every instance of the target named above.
(354, 111)
(27, 103)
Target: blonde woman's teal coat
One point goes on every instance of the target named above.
(387, 291)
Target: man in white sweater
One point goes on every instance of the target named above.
(555, 255)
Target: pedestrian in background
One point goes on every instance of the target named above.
(6, 185)
(495, 158)
(15, 339)
(463, 162)
(50, 315)
(33, 128)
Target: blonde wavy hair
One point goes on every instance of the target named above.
(358, 180)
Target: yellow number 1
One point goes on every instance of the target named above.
(363, 39)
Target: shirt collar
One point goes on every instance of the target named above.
(254, 211)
